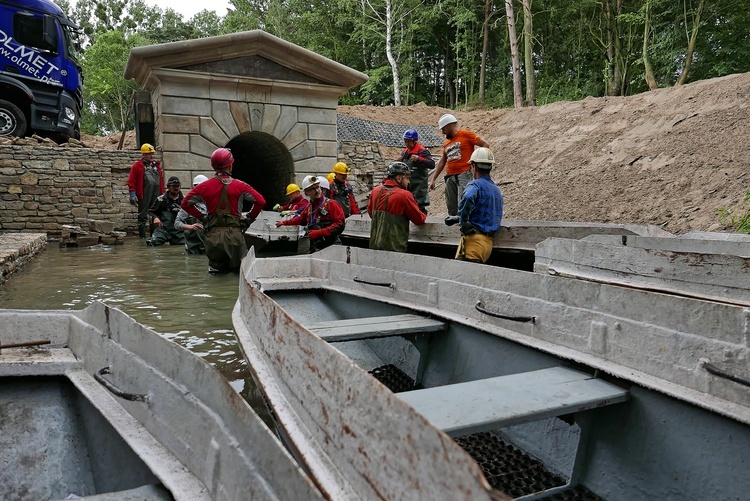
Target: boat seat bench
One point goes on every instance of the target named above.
(487, 404)
(37, 362)
(375, 327)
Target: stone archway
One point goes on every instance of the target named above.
(262, 161)
(272, 102)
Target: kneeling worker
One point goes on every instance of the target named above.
(224, 198)
(297, 203)
(191, 227)
(391, 207)
(480, 210)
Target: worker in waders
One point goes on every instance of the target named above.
(391, 207)
(341, 190)
(145, 183)
(420, 162)
(225, 199)
(190, 226)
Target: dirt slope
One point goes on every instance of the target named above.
(670, 157)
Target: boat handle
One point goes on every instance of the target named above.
(135, 397)
(379, 284)
(482, 309)
(726, 375)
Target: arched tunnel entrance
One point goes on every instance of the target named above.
(262, 161)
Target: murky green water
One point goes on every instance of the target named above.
(161, 287)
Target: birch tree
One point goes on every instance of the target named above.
(516, 63)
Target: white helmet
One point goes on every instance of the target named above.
(446, 120)
(324, 184)
(310, 181)
(483, 156)
(199, 179)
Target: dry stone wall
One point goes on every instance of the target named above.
(44, 188)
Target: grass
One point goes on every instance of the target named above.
(740, 222)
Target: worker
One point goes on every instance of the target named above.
(420, 162)
(458, 147)
(480, 210)
(164, 213)
(190, 226)
(225, 199)
(391, 207)
(325, 187)
(341, 189)
(323, 219)
(296, 202)
(145, 183)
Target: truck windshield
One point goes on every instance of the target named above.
(72, 42)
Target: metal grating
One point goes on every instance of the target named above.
(506, 468)
(358, 129)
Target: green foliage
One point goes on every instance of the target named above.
(437, 45)
(738, 222)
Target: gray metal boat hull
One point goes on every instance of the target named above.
(188, 435)
(654, 344)
(717, 270)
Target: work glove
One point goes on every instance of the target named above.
(468, 229)
(277, 207)
(287, 213)
(133, 199)
(315, 234)
(451, 220)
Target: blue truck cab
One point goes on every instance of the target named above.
(40, 76)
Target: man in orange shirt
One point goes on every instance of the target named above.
(457, 150)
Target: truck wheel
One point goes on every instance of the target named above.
(12, 120)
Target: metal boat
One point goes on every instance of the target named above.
(628, 393)
(266, 237)
(513, 245)
(93, 404)
(716, 269)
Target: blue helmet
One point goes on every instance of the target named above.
(411, 134)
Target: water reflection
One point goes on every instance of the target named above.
(162, 288)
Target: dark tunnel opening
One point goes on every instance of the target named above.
(262, 161)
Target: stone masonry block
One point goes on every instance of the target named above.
(203, 147)
(323, 132)
(295, 136)
(303, 150)
(314, 165)
(176, 142)
(223, 117)
(241, 115)
(271, 113)
(253, 94)
(183, 89)
(186, 106)
(211, 131)
(317, 116)
(179, 124)
(184, 161)
(224, 90)
(256, 115)
(296, 97)
(326, 148)
(287, 120)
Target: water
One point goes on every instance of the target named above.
(160, 287)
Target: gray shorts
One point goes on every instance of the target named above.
(454, 188)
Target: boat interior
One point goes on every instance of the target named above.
(62, 446)
(539, 426)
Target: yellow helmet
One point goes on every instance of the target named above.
(292, 188)
(341, 168)
(331, 176)
(147, 148)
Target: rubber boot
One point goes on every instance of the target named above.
(141, 231)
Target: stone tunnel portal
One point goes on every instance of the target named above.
(262, 161)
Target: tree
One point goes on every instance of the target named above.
(106, 92)
(516, 68)
(528, 53)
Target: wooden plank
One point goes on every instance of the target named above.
(374, 327)
(37, 362)
(487, 404)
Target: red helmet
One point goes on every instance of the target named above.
(221, 159)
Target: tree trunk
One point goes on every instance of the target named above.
(528, 53)
(652, 85)
(485, 47)
(517, 91)
(389, 53)
(691, 43)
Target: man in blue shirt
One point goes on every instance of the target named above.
(480, 210)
